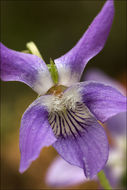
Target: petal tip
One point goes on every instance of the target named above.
(22, 169)
(24, 166)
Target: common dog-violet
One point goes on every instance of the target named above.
(66, 114)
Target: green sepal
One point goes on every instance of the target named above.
(53, 70)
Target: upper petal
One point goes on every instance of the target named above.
(23, 67)
(35, 133)
(63, 174)
(72, 63)
(103, 100)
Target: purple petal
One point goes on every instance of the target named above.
(115, 168)
(92, 42)
(63, 174)
(88, 151)
(27, 68)
(35, 133)
(99, 76)
(116, 124)
(103, 101)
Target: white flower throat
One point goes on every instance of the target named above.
(68, 116)
(62, 98)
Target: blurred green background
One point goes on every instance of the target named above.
(55, 27)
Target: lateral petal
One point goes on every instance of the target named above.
(117, 123)
(35, 133)
(103, 100)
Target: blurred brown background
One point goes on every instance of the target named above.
(55, 27)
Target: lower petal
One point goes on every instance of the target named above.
(89, 150)
(35, 133)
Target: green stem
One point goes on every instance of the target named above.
(104, 181)
(33, 49)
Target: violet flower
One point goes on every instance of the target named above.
(66, 114)
(62, 174)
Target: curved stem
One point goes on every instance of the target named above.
(104, 181)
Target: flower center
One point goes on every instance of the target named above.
(68, 115)
(59, 98)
